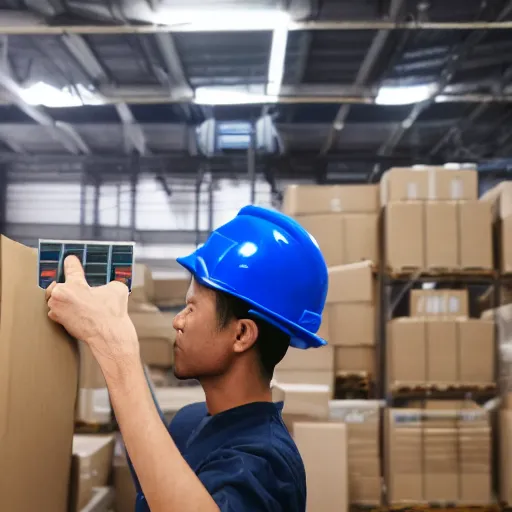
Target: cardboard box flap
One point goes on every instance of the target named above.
(38, 364)
(351, 283)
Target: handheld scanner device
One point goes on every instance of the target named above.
(103, 262)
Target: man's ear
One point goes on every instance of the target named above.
(246, 335)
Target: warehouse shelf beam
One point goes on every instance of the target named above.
(372, 56)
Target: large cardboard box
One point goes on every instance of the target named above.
(428, 183)
(142, 284)
(170, 293)
(314, 359)
(439, 303)
(362, 418)
(322, 377)
(500, 198)
(125, 492)
(321, 199)
(38, 384)
(323, 447)
(505, 444)
(91, 466)
(431, 351)
(356, 360)
(440, 453)
(404, 236)
(438, 235)
(344, 238)
(351, 305)
(505, 245)
(93, 402)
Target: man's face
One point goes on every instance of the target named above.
(201, 348)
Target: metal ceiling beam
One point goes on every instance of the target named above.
(364, 72)
(22, 23)
(62, 132)
(134, 134)
(457, 57)
(477, 112)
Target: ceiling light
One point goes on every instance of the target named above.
(406, 95)
(230, 96)
(47, 95)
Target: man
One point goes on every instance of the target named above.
(258, 285)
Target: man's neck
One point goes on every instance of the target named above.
(234, 389)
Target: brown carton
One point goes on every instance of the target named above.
(441, 235)
(170, 293)
(319, 199)
(350, 306)
(125, 492)
(475, 235)
(441, 351)
(315, 359)
(505, 432)
(38, 383)
(406, 351)
(344, 238)
(476, 351)
(322, 377)
(323, 447)
(439, 303)
(356, 360)
(505, 245)
(142, 284)
(362, 418)
(91, 465)
(404, 236)
(500, 198)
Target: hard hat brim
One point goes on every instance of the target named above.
(299, 337)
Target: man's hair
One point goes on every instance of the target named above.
(271, 344)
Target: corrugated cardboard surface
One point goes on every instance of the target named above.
(125, 492)
(92, 462)
(438, 455)
(439, 303)
(321, 358)
(430, 350)
(356, 359)
(318, 199)
(428, 183)
(505, 244)
(153, 326)
(101, 501)
(157, 352)
(344, 238)
(38, 385)
(362, 418)
(323, 447)
(170, 292)
(432, 235)
(505, 422)
(350, 307)
(322, 377)
(500, 198)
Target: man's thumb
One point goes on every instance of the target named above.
(73, 270)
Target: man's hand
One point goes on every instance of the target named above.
(96, 315)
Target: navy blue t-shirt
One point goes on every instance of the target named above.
(244, 457)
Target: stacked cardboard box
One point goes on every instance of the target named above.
(362, 420)
(91, 468)
(169, 294)
(38, 383)
(500, 198)
(154, 328)
(432, 220)
(350, 318)
(343, 219)
(505, 450)
(438, 453)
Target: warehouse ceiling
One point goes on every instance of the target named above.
(352, 86)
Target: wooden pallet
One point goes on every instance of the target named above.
(353, 385)
(95, 428)
(442, 391)
(441, 272)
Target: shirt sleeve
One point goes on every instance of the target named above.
(246, 480)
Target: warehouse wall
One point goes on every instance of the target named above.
(58, 204)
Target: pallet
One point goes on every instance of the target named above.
(455, 391)
(440, 273)
(95, 428)
(353, 385)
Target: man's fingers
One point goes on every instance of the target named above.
(49, 290)
(73, 270)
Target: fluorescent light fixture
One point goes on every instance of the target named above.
(230, 96)
(278, 54)
(406, 95)
(218, 20)
(47, 95)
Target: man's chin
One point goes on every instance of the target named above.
(182, 375)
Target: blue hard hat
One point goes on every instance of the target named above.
(271, 262)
